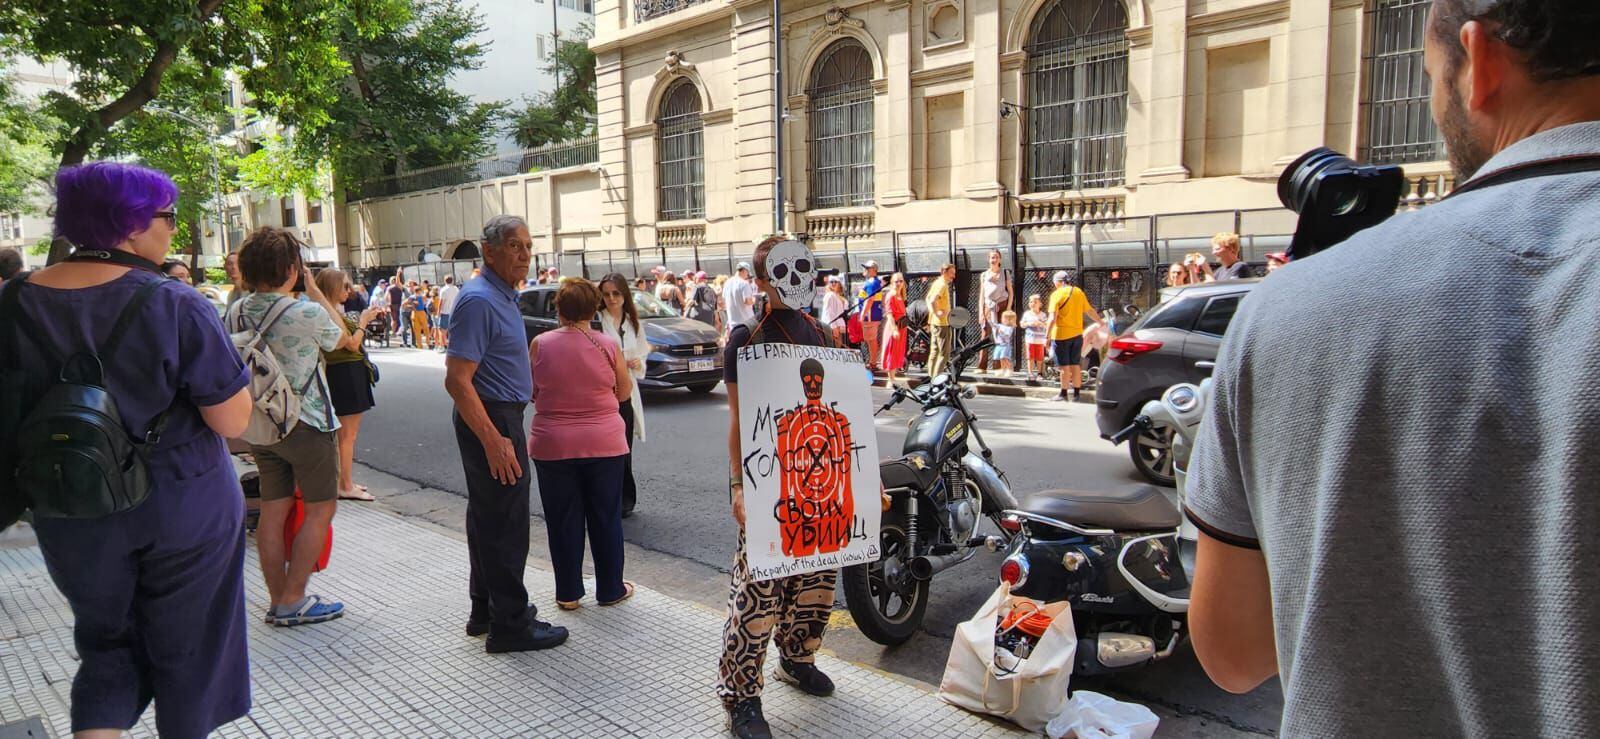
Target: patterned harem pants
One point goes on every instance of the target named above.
(798, 606)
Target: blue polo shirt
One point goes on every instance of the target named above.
(486, 328)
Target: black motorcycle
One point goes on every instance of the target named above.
(940, 489)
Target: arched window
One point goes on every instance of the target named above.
(680, 153)
(841, 127)
(1400, 127)
(1077, 83)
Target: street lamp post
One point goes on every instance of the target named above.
(216, 172)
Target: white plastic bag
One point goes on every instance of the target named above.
(1028, 693)
(1095, 716)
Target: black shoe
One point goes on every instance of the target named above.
(746, 720)
(1076, 395)
(538, 635)
(804, 676)
(628, 513)
(477, 628)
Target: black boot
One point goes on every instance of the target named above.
(746, 720)
(804, 676)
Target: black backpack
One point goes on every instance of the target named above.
(704, 307)
(67, 453)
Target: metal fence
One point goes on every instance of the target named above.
(1117, 262)
(553, 156)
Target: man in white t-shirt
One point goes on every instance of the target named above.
(739, 296)
(447, 301)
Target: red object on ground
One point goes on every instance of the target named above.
(297, 518)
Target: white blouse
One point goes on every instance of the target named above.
(633, 347)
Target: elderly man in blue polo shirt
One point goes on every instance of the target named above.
(488, 377)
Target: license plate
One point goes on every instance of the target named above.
(702, 365)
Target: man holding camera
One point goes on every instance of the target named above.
(1400, 538)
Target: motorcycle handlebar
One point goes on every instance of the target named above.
(1140, 423)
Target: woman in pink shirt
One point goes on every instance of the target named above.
(578, 446)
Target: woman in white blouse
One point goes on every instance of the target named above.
(834, 306)
(620, 319)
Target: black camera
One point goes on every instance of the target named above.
(1336, 198)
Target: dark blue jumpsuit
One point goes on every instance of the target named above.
(157, 592)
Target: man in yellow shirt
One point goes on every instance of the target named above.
(939, 320)
(1068, 307)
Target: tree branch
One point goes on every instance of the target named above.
(137, 96)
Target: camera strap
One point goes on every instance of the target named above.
(1572, 164)
(113, 256)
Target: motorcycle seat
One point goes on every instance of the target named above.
(1142, 509)
(906, 472)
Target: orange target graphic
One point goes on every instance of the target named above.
(815, 505)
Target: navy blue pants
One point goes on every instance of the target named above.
(584, 495)
(497, 523)
(157, 597)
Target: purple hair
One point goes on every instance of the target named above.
(100, 204)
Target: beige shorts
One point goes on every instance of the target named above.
(306, 456)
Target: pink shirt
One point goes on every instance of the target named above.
(574, 405)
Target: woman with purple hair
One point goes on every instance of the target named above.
(157, 590)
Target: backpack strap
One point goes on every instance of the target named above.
(130, 313)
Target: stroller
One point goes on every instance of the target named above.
(378, 330)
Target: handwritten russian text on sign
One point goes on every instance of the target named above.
(810, 459)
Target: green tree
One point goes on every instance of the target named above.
(399, 112)
(569, 111)
(126, 53)
(25, 158)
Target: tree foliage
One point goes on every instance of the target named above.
(128, 53)
(25, 158)
(397, 112)
(569, 111)
(362, 84)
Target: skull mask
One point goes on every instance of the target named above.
(811, 378)
(792, 269)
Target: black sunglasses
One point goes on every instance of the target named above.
(172, 217)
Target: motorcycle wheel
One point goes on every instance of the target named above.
(1152, 456)
(883, 614)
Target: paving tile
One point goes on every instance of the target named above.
(399, 664)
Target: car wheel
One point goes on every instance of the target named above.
(702, 389)
(1151, 453)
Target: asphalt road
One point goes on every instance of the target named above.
(683, 509)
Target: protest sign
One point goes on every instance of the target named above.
(810, 461)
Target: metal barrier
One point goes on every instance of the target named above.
(1118, 262)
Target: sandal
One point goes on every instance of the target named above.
(570, 605)
(314, 610)
(627, 592)
(358, 494)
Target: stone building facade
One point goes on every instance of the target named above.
(910, 115)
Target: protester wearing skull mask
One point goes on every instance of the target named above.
(797, 606)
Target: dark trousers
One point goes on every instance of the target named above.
(630, 489)
(497, 522)
(580, 495)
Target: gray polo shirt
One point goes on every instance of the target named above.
(1407, 425)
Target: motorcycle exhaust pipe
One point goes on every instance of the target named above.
(924, 568)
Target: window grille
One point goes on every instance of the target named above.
(1077, 85)
(1399, 124)
(680, 154)
(841, 127)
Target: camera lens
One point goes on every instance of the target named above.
(1346, 203)
(1297, 184)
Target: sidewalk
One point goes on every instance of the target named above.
(399, 664)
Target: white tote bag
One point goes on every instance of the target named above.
(1028, 692)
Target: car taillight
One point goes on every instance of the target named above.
(1126, 348)
(1014, 571)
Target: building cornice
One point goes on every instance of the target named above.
(1249, 16)
(639, 131)
(713, 117)
(947, 73)
(1013, 60)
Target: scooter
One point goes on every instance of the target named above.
(1122, 560)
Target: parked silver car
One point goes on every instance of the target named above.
(1175, 342)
